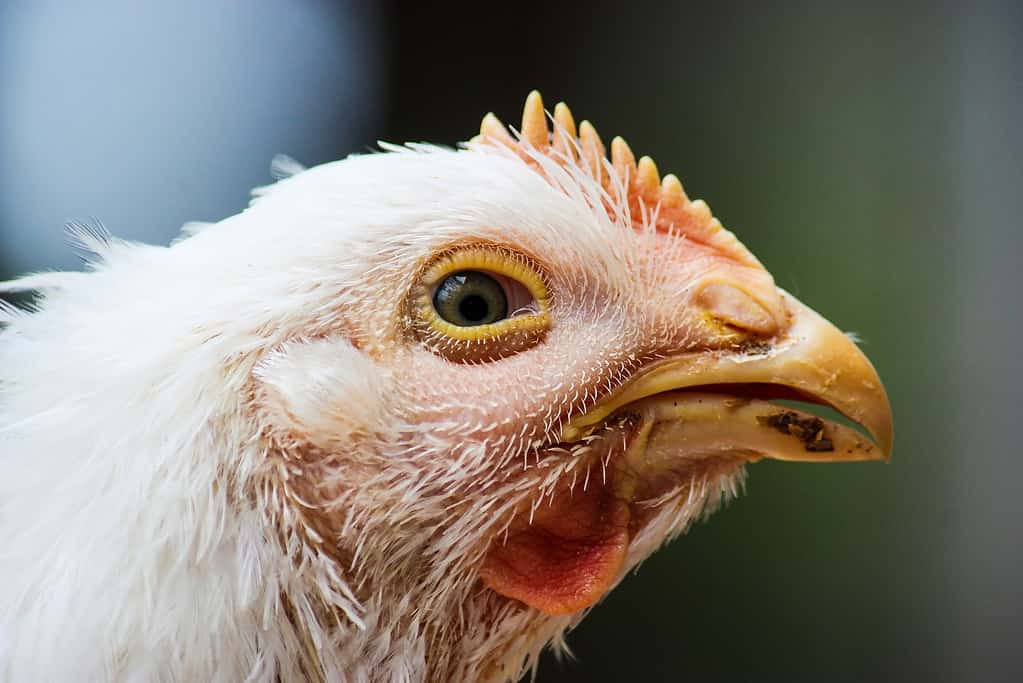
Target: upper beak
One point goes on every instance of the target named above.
(812, 361)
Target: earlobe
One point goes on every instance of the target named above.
(322, 392)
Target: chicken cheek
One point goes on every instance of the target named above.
(568, 558)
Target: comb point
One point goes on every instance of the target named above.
(622, 158)
(564, 130)
(672, 193)
(592, 147)
(647, 177)
(534, 121)
(700, 212)
(588, 136)
(492, 129)
(563, 117)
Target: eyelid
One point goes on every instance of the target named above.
(525, 287)
(509, 264)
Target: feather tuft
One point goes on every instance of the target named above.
(282, 166)
(90, 239)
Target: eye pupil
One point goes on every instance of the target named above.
(470, 298)
(474, 308)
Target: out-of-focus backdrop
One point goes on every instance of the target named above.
(870, 154)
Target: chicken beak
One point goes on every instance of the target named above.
(717, 401)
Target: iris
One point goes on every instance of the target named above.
(470, 298)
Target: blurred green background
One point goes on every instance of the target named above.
(870, 154)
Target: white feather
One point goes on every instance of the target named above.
(147, 529)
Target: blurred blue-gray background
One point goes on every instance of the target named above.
(144, 115)
(870, 153)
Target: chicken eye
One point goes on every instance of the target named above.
(470, 298)
(480, 303)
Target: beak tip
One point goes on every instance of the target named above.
(887, 441)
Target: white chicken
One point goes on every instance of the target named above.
(405, 418)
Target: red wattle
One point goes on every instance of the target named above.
(568, 558)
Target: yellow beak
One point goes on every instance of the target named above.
(717, 401)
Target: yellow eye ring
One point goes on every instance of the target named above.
(523, 326)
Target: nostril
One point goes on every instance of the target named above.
(732, 305)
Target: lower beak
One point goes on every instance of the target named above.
(714, 401)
